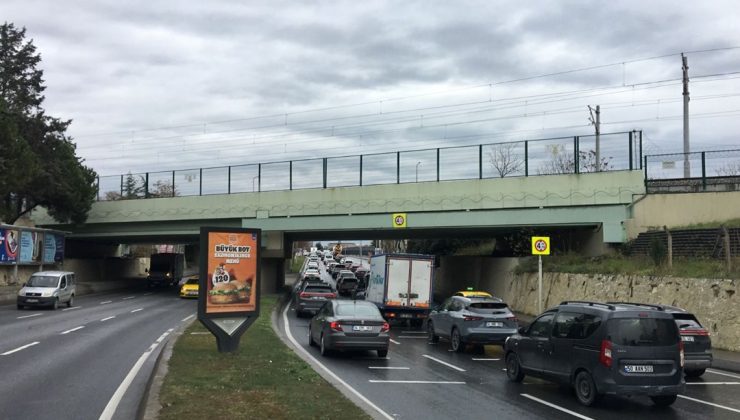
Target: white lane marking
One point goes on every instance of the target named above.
(373, 381)
(147, 294)
(329, 372)
(557, 407)
(71, 309)
(106, 302)
(72, 330)
(394, 341)
(373, 358)
(716, 372)
(187, 318)
(414, 332)
(709, 403)
(389, 367)
(28, 316)
(110, 408)
(459, 369)
(128, 297)
(19, 348)
(712, 383)
(199, 333)
(105, 319)
(481, 359)
(137, 310)
(423, 337)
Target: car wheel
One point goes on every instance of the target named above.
(324, 350)
(433, 338)
(664, 400)
(383, 353)
(585, 389)
(456, 341)
(513, 368)
(310, 337)
(694, 373)
(71, 301)
(55, 305)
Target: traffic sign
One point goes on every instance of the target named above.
(540, 245)
(399, 220)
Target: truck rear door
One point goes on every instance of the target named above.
(398, 282)
(420, 287)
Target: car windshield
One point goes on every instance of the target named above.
(358, 310)
(643, 331)
(488, 307)
(42, 281)
(192, 281)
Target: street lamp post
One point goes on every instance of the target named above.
(417, 170)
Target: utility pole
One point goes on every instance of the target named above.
(596, 121)
(686, 148)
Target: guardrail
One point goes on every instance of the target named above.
(561, 155)
(716, 170)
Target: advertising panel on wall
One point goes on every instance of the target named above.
(228, 301)
(9, 246)
(53, 248)
(30, 247)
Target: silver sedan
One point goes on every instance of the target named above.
(349, 325)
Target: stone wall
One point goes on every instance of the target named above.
(714, 301)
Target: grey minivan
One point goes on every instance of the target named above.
(615, 349)
(48, 288)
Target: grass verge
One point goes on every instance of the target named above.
(296, 264)
(264, 379)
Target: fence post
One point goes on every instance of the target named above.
(173, 183)
(526, 158)
(398, 167)
(325, 166)
(228, 187)
(703, 171)
(121, 185)
(290, 176)
(438, 164)
(670, 247)
(200, 182)
(259, 177)
(728, 254)
(146, 186)
(480, 161)
(360, 170)
(640, 147)
(576, 163)
(97, 186)
(646, 171)
(632, 154)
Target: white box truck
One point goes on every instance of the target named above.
(401, 285)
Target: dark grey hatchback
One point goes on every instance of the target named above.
(613, 349)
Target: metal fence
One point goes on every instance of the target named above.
(563, 155)
(717, 170)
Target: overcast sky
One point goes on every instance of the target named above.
(158, 85)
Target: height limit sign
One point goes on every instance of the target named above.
(540, 245)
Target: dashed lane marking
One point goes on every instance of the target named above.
(71, 309)
(137, 310)
(148, 294)
(29, 316)
(414, 332)
(128, 297)
(423, 337)
(716, 372)
(709, 403)
(19, 348)
(712, 383)
(72, 330)
(480, 359)
(106, 319)
(187, 318)
(394, 341)
(389, 367)
(106, 302)
(557, 407)
(459, 369)
(374, 381)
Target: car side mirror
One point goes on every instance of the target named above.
(146, 270)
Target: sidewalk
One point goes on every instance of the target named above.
(723, 359)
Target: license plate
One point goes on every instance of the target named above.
(638, 368)
(32, 300)
(362, 328)
(494, 324)
(405, 315)
(687, 338)
(318, 298)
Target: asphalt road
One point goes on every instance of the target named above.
(71, 363)
(423, 380)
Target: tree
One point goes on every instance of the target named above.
(561, 161)
(729, 169)
(162, 188)
(504, 159)
(39, 164)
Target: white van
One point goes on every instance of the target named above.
(48, 288)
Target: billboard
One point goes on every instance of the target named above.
(9, 246)
(53, 248)
(31, 247)
(232, 272)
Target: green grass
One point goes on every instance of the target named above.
(296, 264)
(618, 264)
(732, 223)
(264, 379)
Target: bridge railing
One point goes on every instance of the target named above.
(563, 155)
(715, 170)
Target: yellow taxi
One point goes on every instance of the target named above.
(469, 292)
(190, 288)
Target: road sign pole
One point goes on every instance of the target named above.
(539, 286)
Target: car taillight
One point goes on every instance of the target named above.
(303, 294)
(605, 356)
(331, 295)
(680, 351)
(512, 318)
(334, 325)
(698, 331)
(472, 318)
(386, 327)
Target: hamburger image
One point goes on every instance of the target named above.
(243, 290)
(223, 293)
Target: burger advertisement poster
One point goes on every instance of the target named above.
(232, 272)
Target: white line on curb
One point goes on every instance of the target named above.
(72, 330)
(444, 363)
(373, 381)
(28, 316)
(716, 372)
(286, 325)
(110, 408)
(709, 403)
(105, 319)
(19, 348)
(557, 407)
(187, 318)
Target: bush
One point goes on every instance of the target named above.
(658, 251)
